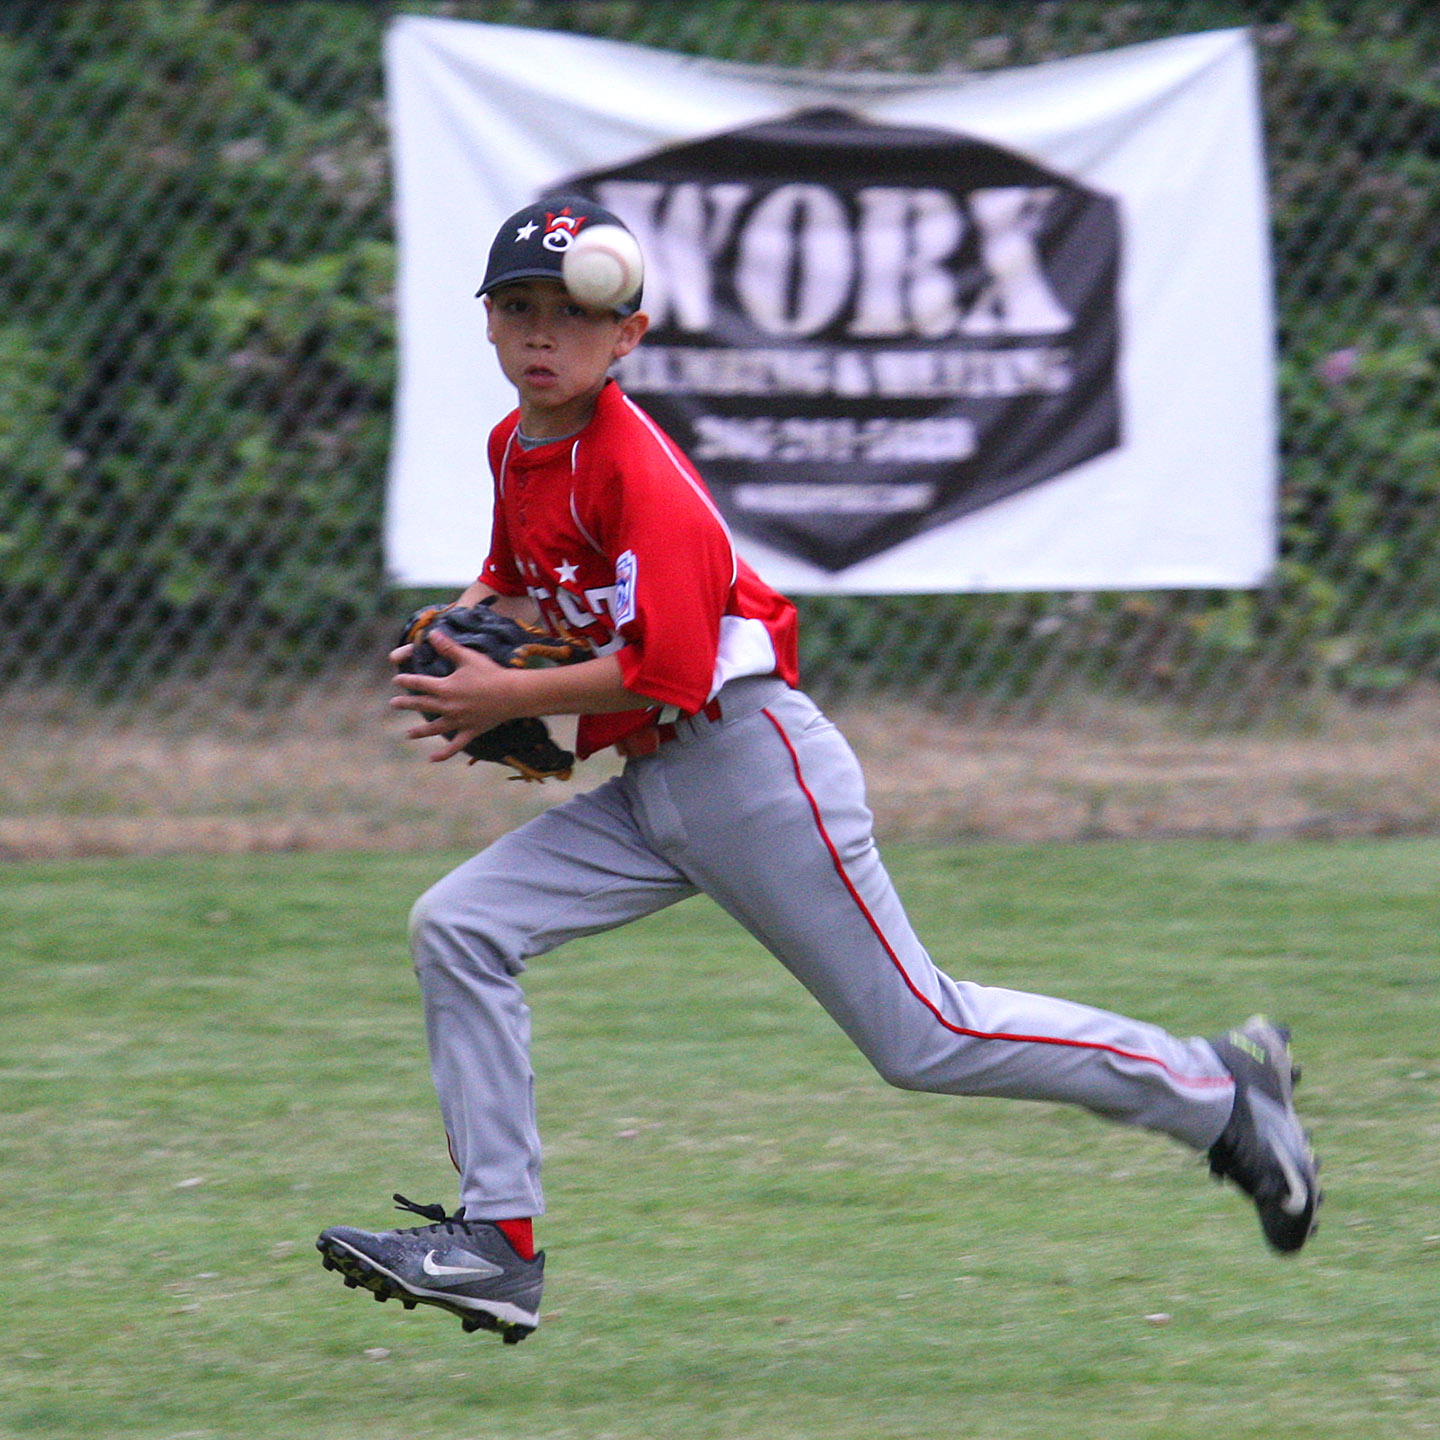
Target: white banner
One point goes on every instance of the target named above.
(1011, 331)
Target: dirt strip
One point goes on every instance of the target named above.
(302, 781)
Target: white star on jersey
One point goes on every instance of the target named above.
(566, 572)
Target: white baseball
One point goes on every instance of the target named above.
(602, 267)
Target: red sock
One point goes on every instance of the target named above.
(521, 1234)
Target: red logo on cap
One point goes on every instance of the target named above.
(561, 229)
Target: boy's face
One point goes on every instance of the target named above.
(555, 352)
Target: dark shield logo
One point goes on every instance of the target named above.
(862, 331)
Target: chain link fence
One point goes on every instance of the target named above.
(197, 360)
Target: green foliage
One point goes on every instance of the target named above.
(197, 394)
(1355, 141)
(197, 357)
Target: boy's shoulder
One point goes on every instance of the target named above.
(501, 435)
(619, 437)
(614, 408)
(619, 420)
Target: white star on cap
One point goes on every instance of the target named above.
(566, 572)
(526, 231)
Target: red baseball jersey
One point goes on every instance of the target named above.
(614, 535)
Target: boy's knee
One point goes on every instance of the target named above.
(427, 918)
(459, 937)
(906, 1067)
(894, 1071)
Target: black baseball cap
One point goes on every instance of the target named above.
(532, 243)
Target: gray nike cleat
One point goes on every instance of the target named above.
(1263, 1148)
(464, 1266)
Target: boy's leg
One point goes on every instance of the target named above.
(773, 824)
(580, 868)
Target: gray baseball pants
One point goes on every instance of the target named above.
(764, 811)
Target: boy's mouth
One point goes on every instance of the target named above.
(539, 372)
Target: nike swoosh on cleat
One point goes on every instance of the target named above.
(483, 1271)
(1295, 1202)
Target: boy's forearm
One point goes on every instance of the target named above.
(593, 687)
(517, 607)
(473, 593)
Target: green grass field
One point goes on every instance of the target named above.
(205, 1061)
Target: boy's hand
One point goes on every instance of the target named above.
(460, 705)
(470, 698)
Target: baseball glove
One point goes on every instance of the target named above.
(525, 744)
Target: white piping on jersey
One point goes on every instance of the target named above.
(505, 458)
(575, 509)
(667, 446)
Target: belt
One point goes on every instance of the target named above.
(647, 740)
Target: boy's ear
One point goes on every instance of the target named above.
(632, 332)
(489, 305)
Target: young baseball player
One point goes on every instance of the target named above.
(734, 784)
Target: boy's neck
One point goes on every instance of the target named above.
(530, 442)
(557, 424)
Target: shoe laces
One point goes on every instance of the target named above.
(433, 1213)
